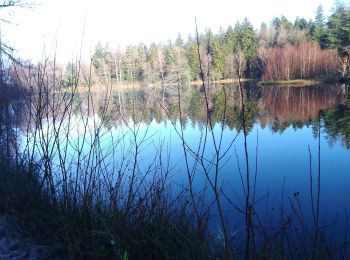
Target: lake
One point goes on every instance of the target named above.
(297, 148)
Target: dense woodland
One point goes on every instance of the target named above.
(282, 50)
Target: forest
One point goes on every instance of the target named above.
(282, 50)
(315, 50)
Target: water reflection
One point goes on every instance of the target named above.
(275, 107)
(286, 106)
(337, 123)
(281, 160)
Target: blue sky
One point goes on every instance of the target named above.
(61, 26)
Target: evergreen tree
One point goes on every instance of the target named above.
(319, 32)
(300, 23)
(140, 63)
(339, 27)
(70, 76)
(218, 56)
(231, 38)
(129, 63)
(192, 58)
(248, 44)
(276, 23)
(152, 62)
(179, 41)
(102, 62)
(249, 39)
(286, 24)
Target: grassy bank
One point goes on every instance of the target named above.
(139, 85)
(221, 81)
(102, 87)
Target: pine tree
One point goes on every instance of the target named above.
(102, 62)
(129, 63)
(319, 32)
(339, 27)
(218, 56)
(300, 23)
(192, 58)
(152, 63)
(231, 39)
(179, 41)
(248, 44)
(140, 63)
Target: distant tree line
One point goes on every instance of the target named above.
(283, 50)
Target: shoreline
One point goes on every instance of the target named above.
(198, 83)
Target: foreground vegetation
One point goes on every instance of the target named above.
(98, 231)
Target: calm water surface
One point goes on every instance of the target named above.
(283, 128)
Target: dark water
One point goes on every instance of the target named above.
(284, 151)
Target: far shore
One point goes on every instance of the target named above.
(198, 83)
(291, 83)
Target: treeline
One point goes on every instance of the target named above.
(283, 50)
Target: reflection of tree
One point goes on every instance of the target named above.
(250, 114)
(296, 107)
(278, 107)
(282, 107)
(107, 116)
(228, 112)
(337, 123)
(195, 105)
